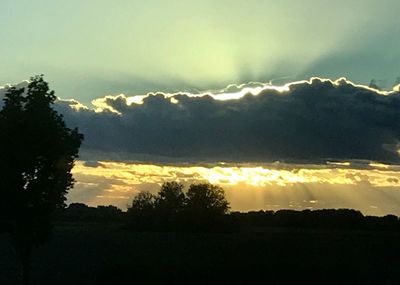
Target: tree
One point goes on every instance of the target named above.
(206, 208)
(207, 199)
(143, 202)
(142, 211)
(171, 198)
(37, 154)
(170, 203)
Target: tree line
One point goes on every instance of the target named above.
(202, 207)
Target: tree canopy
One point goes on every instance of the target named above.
(37, 154)
(37, 150)
(206, 198)
(143, 202)
(203, 207)
(171, 198)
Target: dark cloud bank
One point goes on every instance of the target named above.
(310, 121)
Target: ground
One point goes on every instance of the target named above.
(108, 254)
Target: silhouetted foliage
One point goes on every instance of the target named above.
(37, 153)
(332, 219)
(81, 213)
(141, 214)
(143, 202)
(206, 199)
(109, 212)
(203, 208)
(206, 208)
(169, 205)
(171, 199)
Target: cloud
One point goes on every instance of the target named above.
(249, 186)
(306, 121)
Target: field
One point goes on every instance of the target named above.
(108, 254)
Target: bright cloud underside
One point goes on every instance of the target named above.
(370, 187)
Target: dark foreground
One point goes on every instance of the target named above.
(107, 254)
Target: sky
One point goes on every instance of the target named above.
(370, 188)
(92, 48)
(269, 99)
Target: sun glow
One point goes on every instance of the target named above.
(231, 92)
(248, 187)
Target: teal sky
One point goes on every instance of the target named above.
(90, 48)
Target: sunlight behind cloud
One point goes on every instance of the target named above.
(249, 187)
(231, 92)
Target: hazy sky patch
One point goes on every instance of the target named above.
(92, 48)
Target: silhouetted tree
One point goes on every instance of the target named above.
(37, 153)
(171, 197)
(207, 199)
(109, 212)
(142, 211)
(206, 207)
(78, 212)
(144, 201)
(170, 202)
